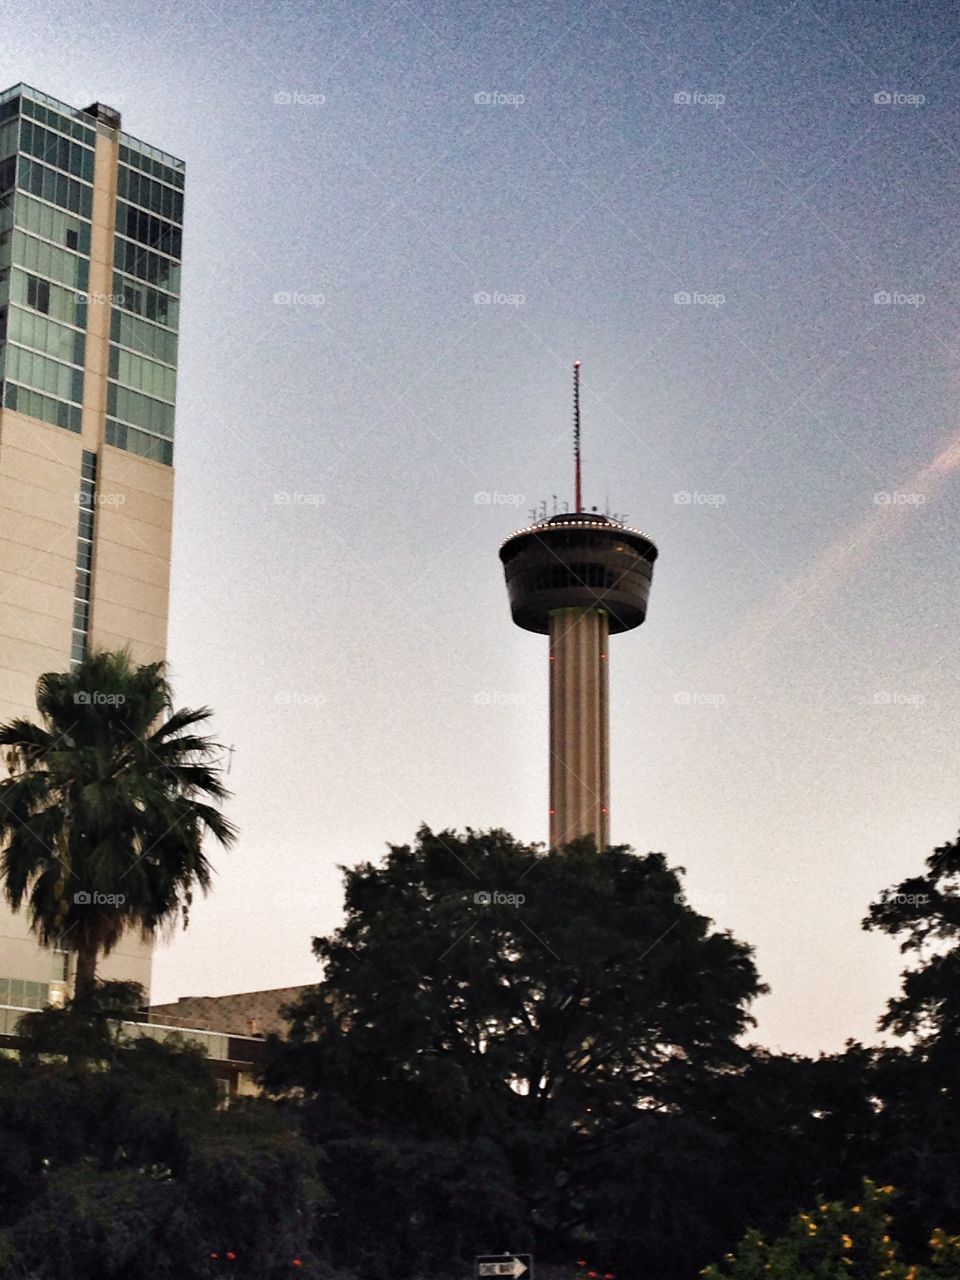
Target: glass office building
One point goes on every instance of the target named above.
(48, 162)
(90, 248)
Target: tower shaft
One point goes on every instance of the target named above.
(579, 726)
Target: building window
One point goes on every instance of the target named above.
(557, 577)
(22, 994)
(38, 294)
(61, 964)
(34, 405)
(81, 592)
(72, 240)
(145, 228)
(139, 442)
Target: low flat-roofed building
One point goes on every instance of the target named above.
(248, 1013)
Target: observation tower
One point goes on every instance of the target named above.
(579, 578)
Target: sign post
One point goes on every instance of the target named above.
(516, 1266)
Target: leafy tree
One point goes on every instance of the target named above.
(679, 1187)
(890, 1111)
(103, 816)
(833, 1241)
(653, 1201)
(433, 1202)
(924, 912)
(917, 1082)
(121, 1164)
(486, 992)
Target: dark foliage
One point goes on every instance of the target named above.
(485, 1065)
(115, 1162)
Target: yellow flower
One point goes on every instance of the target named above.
(847, 1242)
(855, 1209)
(886, 1191)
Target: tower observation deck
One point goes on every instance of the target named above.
(579, 578)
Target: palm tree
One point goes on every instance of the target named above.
(103, 816)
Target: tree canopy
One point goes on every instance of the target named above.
(117, 1161)
(518, 1012)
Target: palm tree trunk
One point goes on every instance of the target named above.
(85, 981)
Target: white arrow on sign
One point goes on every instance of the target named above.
(510, 1267)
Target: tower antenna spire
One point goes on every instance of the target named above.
(576, 434)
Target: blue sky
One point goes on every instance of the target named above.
(783, 724)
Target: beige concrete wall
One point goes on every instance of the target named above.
(22, 957)
(131, 578)
(100, 288)
(132, 961)
(39, 488)
(40, 469)
(39, 484)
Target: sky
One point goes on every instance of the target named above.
(403, 222)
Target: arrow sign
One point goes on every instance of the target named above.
(515, 1265)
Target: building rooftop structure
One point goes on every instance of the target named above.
(246, 1013)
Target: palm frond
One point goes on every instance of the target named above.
(28, 740)
(175, 724)
(102, 797)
